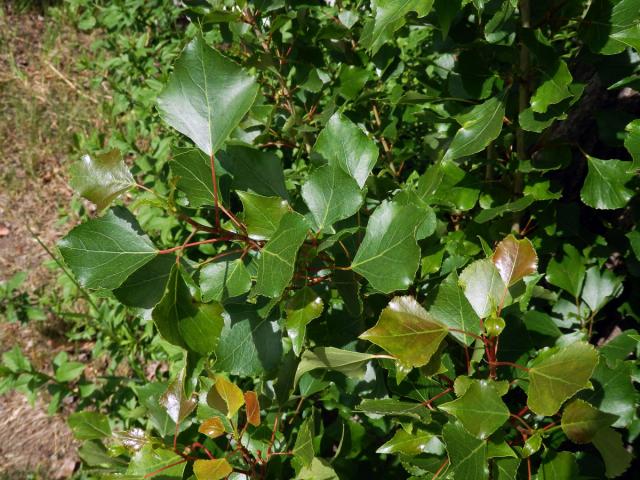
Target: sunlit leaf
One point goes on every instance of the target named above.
(212, 427)
(605, 185)
(350, 363)
(412, 444)
(225, 396)
(212, 469)
(483, 287)
(252, 406)
(301, 309)
(515, 259)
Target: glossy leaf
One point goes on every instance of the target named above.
(262, 215)
(148, 460)
(581, 421)
(225, 396)
(277, 258)
(558, 374)
(252, 406)
(558, 466)
(223, 279)
(145, 287)
(604, 187)
(344, 361)
(331, 195)
(206, 96)
(212, 469)
(301, 309)
(616, 457)
(101, 179)
(515, 259)
(388, 256)
(478, 127)
(191, 169)
(212, 427)
(605, 19)
(175, 402)
(451, 308)
(407, 332)
(342, 143)
(483, 287)
(467, 454)
(254, 171)
(104, 251)
(567, 273)
(185, 322)
(480, 409)
(404, 443)
(599, 288)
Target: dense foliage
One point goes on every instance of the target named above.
(394, 239)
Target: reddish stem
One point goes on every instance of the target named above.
(433, 399)
(215, 187)
(509, 364)
(194, 244)
(440, 469)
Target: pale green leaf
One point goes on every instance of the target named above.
(404, 443)
(303, 448)
(451, 308)
(89, 425)
(600, 287)
(483, 287)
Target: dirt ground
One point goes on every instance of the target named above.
(43, 104)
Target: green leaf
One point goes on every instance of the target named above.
(89, 425)
(467, 454)
(249, 344)
(509, 207)
(483, 287)
(621, 346)
(223, 279)
(558, 466)
(278, 257)
(568, 273)
(581, 421)
(207, 96)
(515, 259)
(389, 256)
(616, 458)
(395, 408)
(505, 468)
(559, 373)
(225, 396)
(447, 184)
(604, 187)
(101, 179)
(192, 169)
(600, 287)
(407, 332)
(331, 195)
(303, 448)
(262, 215)
(175, 402)
(69, 371)
(604, 20)
(350, 363)
(185, 322)
(480, 409)
(532, 445)
(478, 128)
(215, 469)
(342, 143)
(303, 307)
(104, 251)
(632, 143)
(145, 287)
(629, 36)
(319, 469)
(389, 17)
(404, 443)
(148, 460)
(254, 171)
(451, 308)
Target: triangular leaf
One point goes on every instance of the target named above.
(581, 421)
(604, 187)
(483, 287)
(225, 396)
(467, 454)
(515, 259)
(223, 279)
(303, 307)
(177, 405)
(303, 448)
(616, 458)
(262, 215)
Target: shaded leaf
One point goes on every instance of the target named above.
(568, 273)
(192, 169)
(225, 396)
(407, 332)
(303, 448)
(467, 454)
(616, 458)
(104, 251)
(101, 179)
(319, 469)
(632, 143)
(559, 373)
(344, 361)
(388, 256)
(277, 258)
(145, 287)
(206, 96)
(600, 287)
(223, 279)
(581, 421)
(558, 466)
(605, 19)
(254, 171)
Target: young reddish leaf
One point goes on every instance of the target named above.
(225, 396)
(581, 421)
(252, 406)
(212, 427)
(216, 469)
(558, 374)
(407, 331)
(515, 259)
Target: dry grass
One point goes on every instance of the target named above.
(43, 104)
